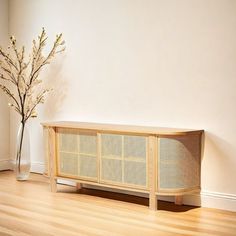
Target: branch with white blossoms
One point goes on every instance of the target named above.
(11, 96)
(22, 74)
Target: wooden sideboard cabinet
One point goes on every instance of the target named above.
(156, 161)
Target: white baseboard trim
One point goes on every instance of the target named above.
(217, 200)
(5, 164)
(208, 199)
(36, 167)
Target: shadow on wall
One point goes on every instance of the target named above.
(56, 97)
(218, 146)
(203, 144)
(218, 158)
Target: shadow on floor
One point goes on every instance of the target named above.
(162, 205)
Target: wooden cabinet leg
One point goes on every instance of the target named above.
(52, 158)
(78, 186)
(53, 183)
(179, 200)
(152, 202)
(152, 172)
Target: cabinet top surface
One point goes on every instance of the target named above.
(120, 128)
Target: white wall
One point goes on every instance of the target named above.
(145, 62)
(4, 110)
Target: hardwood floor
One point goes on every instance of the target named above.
(29, 208)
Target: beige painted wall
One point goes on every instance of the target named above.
(146, 62)
(4, 110)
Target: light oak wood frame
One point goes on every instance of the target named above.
(52, 158)
(46, 150)
(152, 172)
(51, 131)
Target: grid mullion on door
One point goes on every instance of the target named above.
(122, 159)
(99, 157)
(78, 154)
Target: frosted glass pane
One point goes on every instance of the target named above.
(179, 162)
(111, 145)
(135, 146)
(68, 142)
(88, 166)
(171, 177)
(68, 163)
(88, 144)
(112, 170)
(135, 173)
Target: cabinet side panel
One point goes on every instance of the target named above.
(179, 162)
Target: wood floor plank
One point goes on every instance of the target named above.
(29, 208)
(9, 232)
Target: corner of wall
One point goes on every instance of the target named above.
(5, 162)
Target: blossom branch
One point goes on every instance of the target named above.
(39, 99)
(14, 71)
(8, 73)
(11, 95)
(58, 42)
(8, 59)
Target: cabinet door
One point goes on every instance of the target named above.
(123, 159)
(77, 154)
(179, 163)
